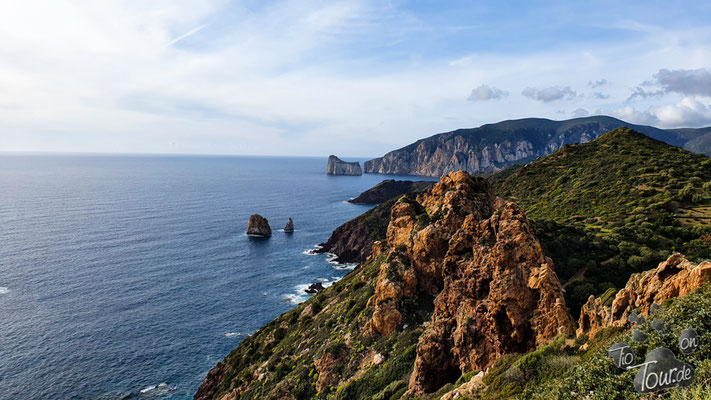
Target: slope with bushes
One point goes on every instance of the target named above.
(614, 206)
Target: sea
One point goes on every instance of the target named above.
(131, 276)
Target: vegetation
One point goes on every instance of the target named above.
(279, 358)
(596, 377)
(617, 205)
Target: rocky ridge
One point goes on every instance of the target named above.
(674, 277)
(495, 146)
(496, 291)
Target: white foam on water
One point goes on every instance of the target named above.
(156, 390)
(312, 251)
(4, 290)
(295, 298)
(232, 334)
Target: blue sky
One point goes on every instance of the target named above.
(354, 78)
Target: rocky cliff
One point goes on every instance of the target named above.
(458, 281)
(674, 277)
(495, 146)
(496, 291)
(353, 241)
(388, 189)
(336, 166)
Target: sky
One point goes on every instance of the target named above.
(354, 78)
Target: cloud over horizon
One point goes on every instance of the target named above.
(550, 94)
(486, 92)
(315, 77)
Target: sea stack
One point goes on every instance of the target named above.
(336, 166)
(258, 226)
(289, 227)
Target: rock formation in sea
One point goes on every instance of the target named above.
(289, 227)
(314, 288)
(388, 189)
(336, 166)
(497, 293)
(674, 277)
(258, 226)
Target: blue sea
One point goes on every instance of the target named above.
(131, 276)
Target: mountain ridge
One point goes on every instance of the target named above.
(495, 146)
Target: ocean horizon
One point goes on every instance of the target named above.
(131, 276)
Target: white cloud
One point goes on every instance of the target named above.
(550, 94)
(688, 112)
(299, 77)
(486, 92)
(598, 83)
(685, 81)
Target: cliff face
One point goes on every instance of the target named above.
(674, 277)
(353, 241)
(336, 166)
(496, 291)
(496, 146)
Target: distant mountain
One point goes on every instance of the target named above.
(495, 146)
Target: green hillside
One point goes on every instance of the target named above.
(560, 371)
(619, 204)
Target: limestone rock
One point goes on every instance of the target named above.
(336, 166)
(289, 227)
(325, 366)
(674, 277)
(258, 226)
(496, 291)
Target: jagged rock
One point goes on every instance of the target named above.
(674, 277)
(289, 227)
(336, 166)
(388, 189)
(496, 291)
(258, 226)
(314, 288)
(326, 366)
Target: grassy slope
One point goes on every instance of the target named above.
(612, 207)
(557, 372)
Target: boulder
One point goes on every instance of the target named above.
(258, 226)
(289, 227)
(336, 166)
(314, 288)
